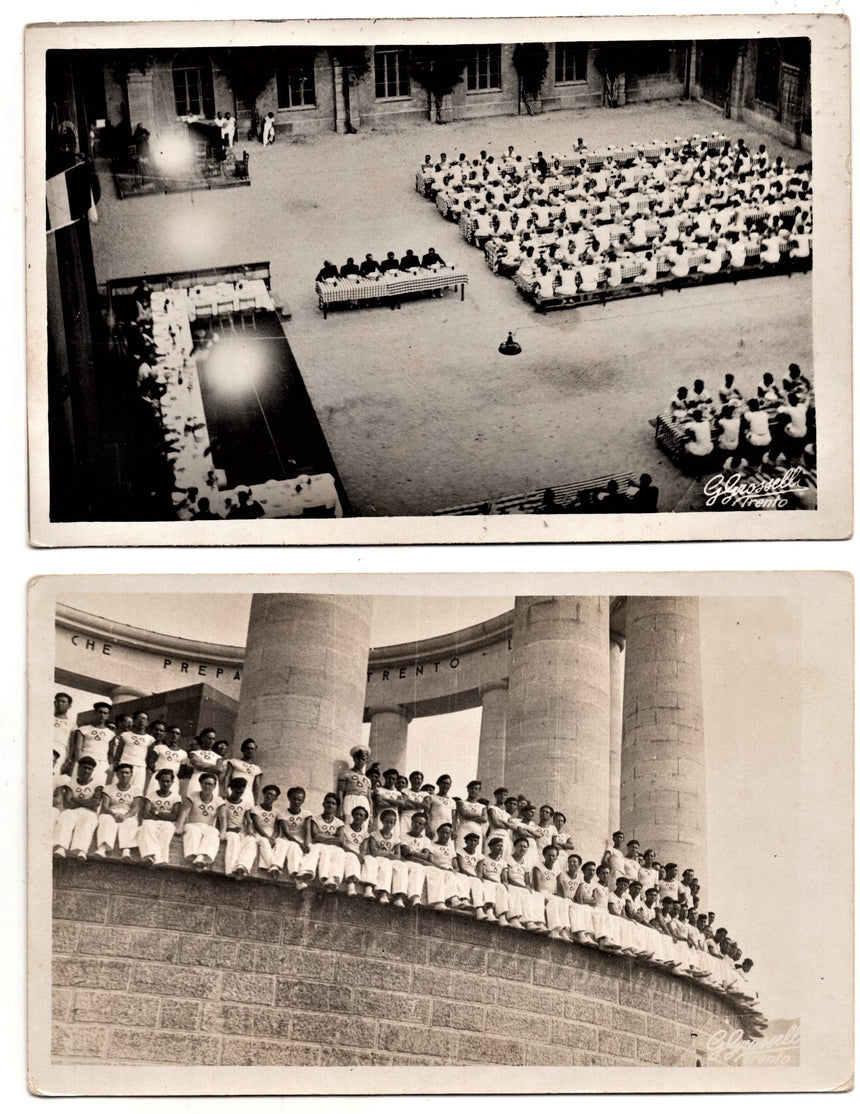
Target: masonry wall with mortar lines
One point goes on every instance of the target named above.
(174, 968)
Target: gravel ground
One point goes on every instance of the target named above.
(419, 409)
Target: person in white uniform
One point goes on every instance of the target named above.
(491, 871)
(293, 829)
(203, 758)
(383, 849)
(240, 849)
(79, 800)
(545, 884)
(325, 856)
(93, 739)
(167, 755)
(160, 812)
(613, 856)
(133, 747)
(263, 822)
(197, 824)
(522, 911)
(408, 874)
(119, 815)
(63, 728)
(471, 814)
(246, 768)
(353, 840)
(441, 871)
(353, 785)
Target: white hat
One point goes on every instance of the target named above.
(363, 747)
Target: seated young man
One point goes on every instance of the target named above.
(263, 824)
(240, 848)
(545, 883)
(408, 872)
(383, 848)
(441, 870)
(491, 870)
(470, 888)
(524, 907)
(353, 841)
(292, 828)
(119, 815)
(159, 814)
(196, 824)
(79, 800)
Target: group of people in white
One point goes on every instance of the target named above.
(133, 788)
(770, 426)
(565, 225)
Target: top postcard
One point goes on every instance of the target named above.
(420, 281)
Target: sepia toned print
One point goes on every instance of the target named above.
(330, 280)
(431, 834)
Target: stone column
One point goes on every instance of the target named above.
(141, 101)
(491, 747)
(557, 749)
(389, 728)
(663, 746)
(616, 720)
(303, 686)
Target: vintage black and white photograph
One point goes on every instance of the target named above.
(351, 834)
(507, 279)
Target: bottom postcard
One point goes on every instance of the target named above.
(363, 834)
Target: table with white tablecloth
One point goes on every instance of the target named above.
(390, 285)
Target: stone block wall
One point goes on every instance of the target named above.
(172, 967)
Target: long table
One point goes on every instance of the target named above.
(183, 414)
(391, 286)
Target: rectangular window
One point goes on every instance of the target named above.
(391, 68)
(571, 60)
(296, 87)
(767, 72)
(484, 70)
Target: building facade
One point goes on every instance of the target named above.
(312, 90)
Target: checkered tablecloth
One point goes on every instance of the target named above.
(467, 227)
(494, 250)
(356, 290)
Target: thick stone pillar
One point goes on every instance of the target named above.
(557, 749)
(663, 746)
(303, 686)
(389, 728)
(141, 101)
(616, 721)
(491, 746)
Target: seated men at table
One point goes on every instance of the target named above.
(389, 263)
(432, 259)
(246, 507)
(409, 260)
(648, 274)
(204, 512)
(349, 268)
(328, 271)
(369, 266)
(643, 497)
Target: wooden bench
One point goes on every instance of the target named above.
(531, 502)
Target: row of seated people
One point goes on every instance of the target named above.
(410, 262)
(660, 215)
(774, 425)
(639, 498)
(527, 875)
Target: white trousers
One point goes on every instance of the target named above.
(580, 917)
(200, 839)
(441, 885)
(154, 839)
(75, 829)
(471, 890)
(496, 895)
(269, 856)
(555, 912)
(239, 850)
(407, 879)
(109, 830)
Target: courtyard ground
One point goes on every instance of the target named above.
(419, 409)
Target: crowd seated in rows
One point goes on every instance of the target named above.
(575, 226)
(638, 498)
(772, 427)
(125, 785)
